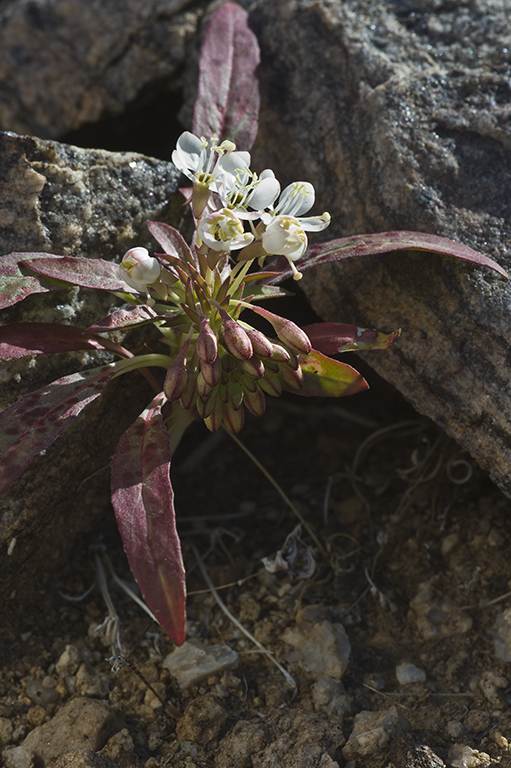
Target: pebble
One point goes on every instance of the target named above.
(372, 732)
(489, 683)
(82, 724)
(436, 616)
(203, 720)
(69, 661)
(463, 756)
(321, 648)
(408, 673)
(193, 661)
(6, 729)
(329, 696)
(502, 635)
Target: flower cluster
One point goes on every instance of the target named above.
(219, 363)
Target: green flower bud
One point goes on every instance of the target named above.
(214, 420)
(206, 405)
(279, 354)
(234, 393)
(234, 418)
(271, 384)
(255, 401)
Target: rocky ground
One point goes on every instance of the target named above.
(394, 651)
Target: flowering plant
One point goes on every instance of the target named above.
(215, 363)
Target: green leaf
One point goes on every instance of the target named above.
(324, 377)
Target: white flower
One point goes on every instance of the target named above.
(200, 159)
(296, 199)
(223, 231)
(139, 269)
(240, 188)
(285, 236)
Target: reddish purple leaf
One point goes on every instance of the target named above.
(124, 318)
(324, 377)
(14, 286)
(171, 241)
(227, 103)
(36, 420)
(384, 242)
(22, 339)
(144, 507)
(331, 338)
(78, 270)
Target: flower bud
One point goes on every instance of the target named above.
(214, 421)
(189, 395)
(234, 393)
(280, 355)
(255, 401)
(261, 345)
(206, 405)
(293, 379)
(236, 339)
(203, 388)
(207, 344)
(138, 269)
(271, 384)
(234, 418)
(254, 367)
(211, 372)
(287, 331)
(177, 376)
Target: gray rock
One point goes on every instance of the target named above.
(320, 649)
(193, 661)
(407, 673)
(61, 199)
(502, 635)
(82, 725)
(68, 62)
(371, 733)
(399, 114)
(435, 615)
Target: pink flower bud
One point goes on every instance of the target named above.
(207, 344)
(261, 345)
(138, 269)
(212, 372)
(236, 339)
(177, 376)
(254, 367)
(293, 379)
(286, 330)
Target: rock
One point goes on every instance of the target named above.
(408, 673)
(286, 738)
(463, 756)
(203, 720)
(193, 661)
(490, 683)
(105, 56)
(65, 200)
(329, 696)
(405, 126)
(502, 635)
(436, 616)
(320, 648)
(82, 725)
(406, 752)
(372, 732)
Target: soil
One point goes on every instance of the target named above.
(414, 566)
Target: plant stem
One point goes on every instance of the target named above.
(282, 493)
